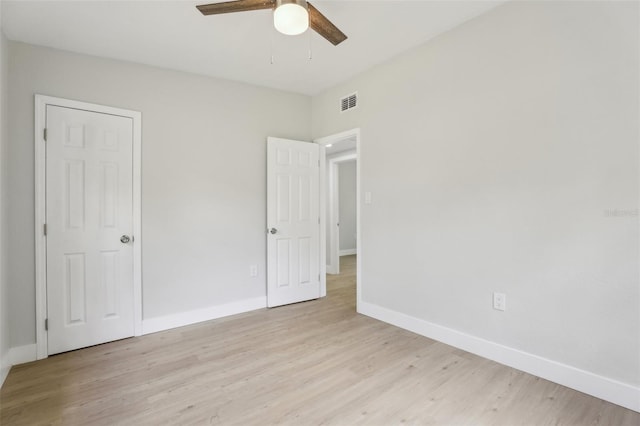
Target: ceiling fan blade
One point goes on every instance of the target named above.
(236, 6)
(320, 24)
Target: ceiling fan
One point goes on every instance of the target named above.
(290, 17)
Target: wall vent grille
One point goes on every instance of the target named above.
(349, 102)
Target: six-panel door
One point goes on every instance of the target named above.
(293, 237)
(89, 209)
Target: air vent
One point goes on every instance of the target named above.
(349, 102)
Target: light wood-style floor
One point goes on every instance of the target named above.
(314, 363)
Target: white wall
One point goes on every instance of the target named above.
(514, 138)
(203, 175)
(4, 304)
(347, 205)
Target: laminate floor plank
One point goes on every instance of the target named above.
(312, 363)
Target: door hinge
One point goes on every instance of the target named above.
(45, 229)
(46, 324)
(318, 221)
(44, 135)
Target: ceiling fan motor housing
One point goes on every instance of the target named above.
(291, 17)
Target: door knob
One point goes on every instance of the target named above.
(273, 230)
(125, 239)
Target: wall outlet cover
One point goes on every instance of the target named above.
(500, 301)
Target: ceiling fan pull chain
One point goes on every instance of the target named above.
(272, 60)
(310, 49)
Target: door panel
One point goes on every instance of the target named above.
(89, 206)
(293, 256)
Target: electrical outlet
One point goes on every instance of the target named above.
(253, 270)
(367, 197)
(500, 301)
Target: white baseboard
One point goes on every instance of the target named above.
(348, 252)
(15, 356)
(5, 366)
(331, 270)
(601, 387)
(22, 354)
(153, 325)
(4, 372)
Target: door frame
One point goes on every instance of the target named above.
(333, 267)
(41, 103)
(323, 141)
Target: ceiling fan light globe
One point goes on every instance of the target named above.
(291, 19)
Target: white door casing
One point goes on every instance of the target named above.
(293, 221)
(333, 217)
(90, 200)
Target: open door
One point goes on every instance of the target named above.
(293, 222)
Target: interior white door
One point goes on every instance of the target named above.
(293, 221)
(89, 210)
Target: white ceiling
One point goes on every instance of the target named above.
(238, 46)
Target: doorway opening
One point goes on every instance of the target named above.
(340, 209)
(341, 202)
